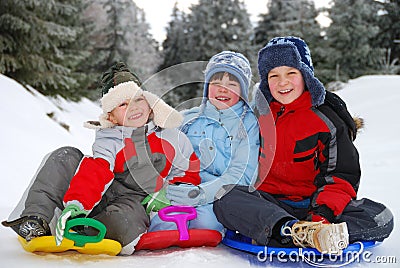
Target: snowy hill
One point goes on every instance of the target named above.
(34, 125)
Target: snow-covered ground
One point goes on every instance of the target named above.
(31, 128)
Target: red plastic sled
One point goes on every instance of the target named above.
(170, 238)
(182, 237)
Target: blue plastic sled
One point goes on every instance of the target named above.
(243, 243)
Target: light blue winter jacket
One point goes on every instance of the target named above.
(228, 151)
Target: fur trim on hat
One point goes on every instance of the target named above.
(164, 115)
(118, 94)
(111, 100)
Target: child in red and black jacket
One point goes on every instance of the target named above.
(137, 151)
(309, 171)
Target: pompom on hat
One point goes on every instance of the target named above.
(293, 52)
(119, 84)
(233, 63)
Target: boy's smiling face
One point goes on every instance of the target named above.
(286, 84)
(223, 93)
(131, 113)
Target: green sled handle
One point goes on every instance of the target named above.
(81, 240)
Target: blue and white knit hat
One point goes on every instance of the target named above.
(233, 63)
(294, 52)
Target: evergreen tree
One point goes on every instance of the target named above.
(350, 37)
(295, 18)
(93, 19)
(144, 55)
(288, 17)
(115, 32)
(118, 31)
(216, 26)
(173, 45)
(38, 44)
(211, 27)
(389, 35)
(175, 52)
(77, 50)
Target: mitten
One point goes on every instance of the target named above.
(186, 194)
(69, 212)
(156, 201)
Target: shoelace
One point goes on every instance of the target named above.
(302, 233)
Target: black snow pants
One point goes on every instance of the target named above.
(255, 214)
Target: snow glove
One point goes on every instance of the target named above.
(156, 201)
(186, 194)
(69, 212)
(197, 195)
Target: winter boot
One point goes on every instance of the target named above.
(29, 227)
(326, 238)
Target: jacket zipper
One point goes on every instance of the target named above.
(316, 159)
(219, 119)
(278, 114)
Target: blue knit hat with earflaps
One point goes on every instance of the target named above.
(293, 52)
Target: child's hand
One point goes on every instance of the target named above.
(69, 212)
(156, 201)
(186, 194)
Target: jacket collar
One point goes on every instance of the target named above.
(148, 128)
(302, 102)
(234, 111)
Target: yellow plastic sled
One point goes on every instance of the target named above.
(72, 241)
(48, 244)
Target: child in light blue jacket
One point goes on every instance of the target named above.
(225, 135)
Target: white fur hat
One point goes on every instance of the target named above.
(120, 84)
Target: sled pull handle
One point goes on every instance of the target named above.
(81, 240)
(181, 215)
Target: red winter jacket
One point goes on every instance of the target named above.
(314, 158)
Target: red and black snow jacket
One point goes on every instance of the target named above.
(315, 157)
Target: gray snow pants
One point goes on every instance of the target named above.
(119, 210)
(255, 214)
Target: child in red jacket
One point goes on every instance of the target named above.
(136, 152)
(306, 193)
